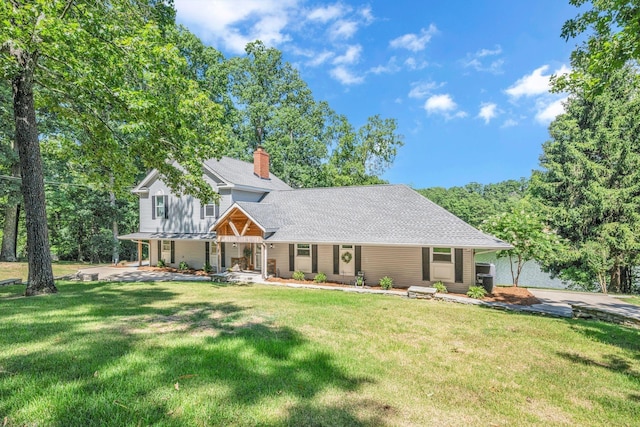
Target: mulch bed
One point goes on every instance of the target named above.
(512, 295)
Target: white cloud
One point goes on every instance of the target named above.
(477, 60)
(532, 84)
(345, 76)
(343, 29)
(444, 105)
(351, 56)
(412, 64)
(389, 68)
(236, 23)
(414, 42)
(320, 58)
(367, 14)
(326, 14)
(488, 111)
(548, 111)
(423, 89)
(509, 123)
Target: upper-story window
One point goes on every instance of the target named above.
(160, 207)
(211, 211)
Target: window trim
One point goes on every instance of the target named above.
(442, 252)
(305, 247)
(214, 208)
(160, 205)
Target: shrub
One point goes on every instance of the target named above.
(161, 263)
(207, 268)
(183, 266)
(477, 292)
(320, 278)
(386, 283)
(440, 287)
(298, 275)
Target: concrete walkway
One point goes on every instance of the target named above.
(600, 302)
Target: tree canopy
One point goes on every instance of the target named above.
(590, 181)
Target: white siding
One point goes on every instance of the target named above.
(280, 252)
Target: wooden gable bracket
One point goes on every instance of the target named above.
(246, 227)
(233, 227)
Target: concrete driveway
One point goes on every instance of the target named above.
(599, 301)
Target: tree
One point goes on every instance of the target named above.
(105, 70)
(613, 40)
(475, 202)
(10, 168)
(526, 230)
(590, 182)
(360, 157)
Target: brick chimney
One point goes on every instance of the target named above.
(261, 163)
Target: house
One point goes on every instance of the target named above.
(262, 224)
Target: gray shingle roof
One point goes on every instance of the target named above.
(237, 172)
(377, 214)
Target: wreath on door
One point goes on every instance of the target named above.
(346, 257)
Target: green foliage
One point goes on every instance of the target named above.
(359, 281)
(476, 292)
(208, 268)
(526, 229)
(161, 263)
(386, 283)
(612, 32)
(320, 278)
(475, 202)
(589, 183)
(298, 275)
(183, 266)
(440, 287)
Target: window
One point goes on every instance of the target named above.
(166, 246)
(160, 207)
(303, 249)
(441, 254)
(211, 210)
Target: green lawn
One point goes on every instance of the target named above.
(181, 354)
(631, 300)
(11, 270)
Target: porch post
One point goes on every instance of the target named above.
(218, 256)
(139, 253)
(263, 266)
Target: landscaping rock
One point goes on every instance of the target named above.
(421, 292)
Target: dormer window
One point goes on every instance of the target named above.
(160, 207)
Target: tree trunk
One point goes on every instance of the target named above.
(40, 271)
(115, 252)
(9, 250)
(8, 253)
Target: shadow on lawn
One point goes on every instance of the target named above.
(100, 353)
(616, 335)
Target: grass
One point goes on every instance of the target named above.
(11, 270)
(182, 354)
(631, 300)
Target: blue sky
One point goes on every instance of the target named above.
(466, 80)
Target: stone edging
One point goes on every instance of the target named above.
(582, 311)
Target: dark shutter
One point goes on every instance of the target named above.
(358, 259)
(166, 207)
(153, 207)
(216, 210)
(426, 271)
(292, 266)
(173, 252)
(159, 250)
(459, 263)
(207, 256)
(222, 255)
(314, 258)
(336, 259)
(201, 211)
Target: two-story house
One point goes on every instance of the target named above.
(260, 223)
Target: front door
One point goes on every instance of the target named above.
(258, 254)
(166, 251)
(347, 261)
